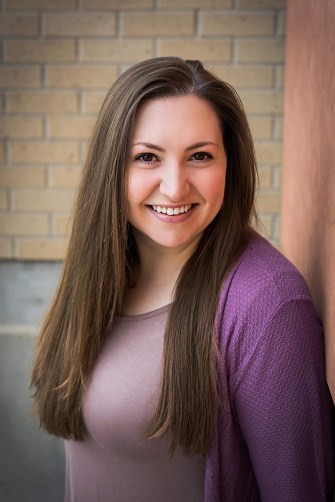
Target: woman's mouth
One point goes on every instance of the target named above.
(171, 211)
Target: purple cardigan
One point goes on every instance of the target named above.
(273, 440)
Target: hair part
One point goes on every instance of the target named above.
(102, 257)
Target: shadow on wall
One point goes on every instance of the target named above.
(31, 461)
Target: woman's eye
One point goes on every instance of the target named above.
(146, 158)
(201, 156)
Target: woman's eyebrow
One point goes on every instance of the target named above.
(199, 144)
(149, 145)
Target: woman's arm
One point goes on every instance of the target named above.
(284, 409)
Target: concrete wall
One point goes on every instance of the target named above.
(308, 209)
(31, 462)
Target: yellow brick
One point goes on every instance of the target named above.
(280, 76)
(19, 224)
(117, 51)
(5, 249)
(276, 229)
(71, 127)
(245, 76)
(117, 4)
(262, 102)
(92, 101)
(43, 102)
(19, 76)
(261, 4)
(41, 4)
(268, 202)
(3, 200)
(265, 225)
(277, 177)
(157, 24)
(37, 249)
(43, 200)
(21, 25)
(261, 127)
(205, 50)
(82, 76)
(281, 30)
(265, 175)
(260, 51)
(237, 24)
(65, 177)
(62, 225)
(268, 153)
(195, 4)
(84, 150)
(80, 24)
(40, 50)
(21, 127)
(53, 152)
(278, 129)
(26, 177)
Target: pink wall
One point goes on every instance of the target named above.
(308, 203)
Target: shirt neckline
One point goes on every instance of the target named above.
(145, 315)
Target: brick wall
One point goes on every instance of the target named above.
(59, 59)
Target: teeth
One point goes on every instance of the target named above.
(172, 210)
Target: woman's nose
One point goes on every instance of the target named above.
(174, 182)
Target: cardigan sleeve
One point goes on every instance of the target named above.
(283, 407)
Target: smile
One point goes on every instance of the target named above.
(171, 211)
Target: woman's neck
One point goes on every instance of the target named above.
(156, 279)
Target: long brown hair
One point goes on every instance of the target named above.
(102, 255)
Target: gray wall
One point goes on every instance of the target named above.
(31, 461)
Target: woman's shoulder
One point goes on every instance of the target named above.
(262, 301)
(262, 272)
(260, 283)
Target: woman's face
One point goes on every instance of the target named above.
(176, 172)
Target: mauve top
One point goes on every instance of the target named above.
(273, 440)
(115, 462)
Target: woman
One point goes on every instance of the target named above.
(182, 358)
